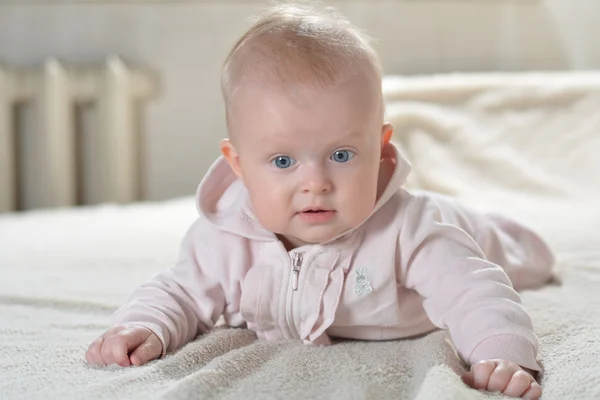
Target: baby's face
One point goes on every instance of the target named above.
(310, 162)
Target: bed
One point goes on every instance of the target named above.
(524, 144)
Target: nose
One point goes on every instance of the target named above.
(316, 181)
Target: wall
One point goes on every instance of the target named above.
(186, 42)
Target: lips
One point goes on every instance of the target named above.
(316, 215)
(315, 210)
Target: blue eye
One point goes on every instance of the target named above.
(283, 162)
(342, 156)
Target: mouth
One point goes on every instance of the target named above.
(315, 210)
(316, 215)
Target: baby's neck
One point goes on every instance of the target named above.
(290, 244)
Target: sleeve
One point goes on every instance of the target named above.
(463, 292)
(181, 302)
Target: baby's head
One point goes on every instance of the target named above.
(304, 110)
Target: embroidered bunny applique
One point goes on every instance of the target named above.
(362, 284)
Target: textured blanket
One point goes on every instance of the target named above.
(526, 145)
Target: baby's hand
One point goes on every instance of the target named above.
(503, 376)
(125, 346)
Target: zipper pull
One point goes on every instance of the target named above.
(296, 263)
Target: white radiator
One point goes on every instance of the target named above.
(70, 136)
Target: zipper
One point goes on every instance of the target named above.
(294, 277)
(296, 264)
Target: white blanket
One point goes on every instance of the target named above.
(526, 145)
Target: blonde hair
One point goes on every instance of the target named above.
(298, 43)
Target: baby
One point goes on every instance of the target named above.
(305, 231)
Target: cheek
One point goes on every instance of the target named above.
(269, 202)
(359, 191)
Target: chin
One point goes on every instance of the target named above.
(318, 238)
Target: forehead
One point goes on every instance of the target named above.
(263, 110)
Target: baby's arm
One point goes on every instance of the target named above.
(462, 292)
(170, 309)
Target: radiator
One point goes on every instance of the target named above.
(70, 136)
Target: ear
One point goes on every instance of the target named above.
(232, 157)
(388, 161)
(387, 130)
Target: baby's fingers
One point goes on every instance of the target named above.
(147, 351)
(500, 378)
(534, 392)
(93, 354)
(482, 371)
(115, 350)
(519, 384)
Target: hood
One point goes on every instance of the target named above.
(223, 200)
